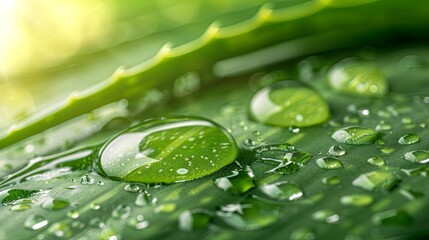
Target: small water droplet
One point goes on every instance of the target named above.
(132, 188)
(289, 103)
(238, 182)
(60, 230)
(331, 180)
(55, 204)
(282, 191)
(302, 234)
(121, 212)
(387, 150)
(329, 163)
(359, 78)
(325, 216)
(410, 194)
(409, 139)
(418, 156)
(166, 208)
(376, 181)
(376, 161)
(35, 222)
(94, 206)
(357, 200)
(336, 151)
(392, 217)
(144, 199)
(285, 157)
(20, 207)
(383, 126)
(73, 214)
(355, 135)
(87, 180)
(193, 220)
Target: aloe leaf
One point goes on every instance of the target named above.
(241, 38)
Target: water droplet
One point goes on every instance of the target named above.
(194, 220)
(357, 200)
(73, 214)
(138, 222)
(286, 158)
(329, 163)
(9, 196)
(147, 152)
(392, 217)
(60, 230)
(238, 182)
(282, 191)
(336, 151)
(331, 180)
(355, 135)
(35, 222)
(325, 216)
(420, 171)
(302, 234)
(132, 188)
(383, 126)
(20, 207)
(387, 150)
(144, 199)
(166, 208)
(289, 103)
(94, 206)
(55, 204)
(87, 180)
(376, 161)
(410, 194)
(376, 181)
(409, 139)
(251, 214)
(121, 212)
(418, 156)
(358, 78)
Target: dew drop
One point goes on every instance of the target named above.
(336, 151)
(133, 188)
(193, 220)
(355, 135)
(325, 216)
(60, 230)
(284, 157)
(147, 152)
(302, 234)
(282, 191)
(331, 180)
(289, 103)
(376, 161)
(55, 204)
(329, 163)
(356, 200)
(35, 222)
(418, 156)
(87, 180)
(121, 212)
(144, 199)
(238, 182)
(393, 217)
(376, 181)
(359, 78)
(409, 139)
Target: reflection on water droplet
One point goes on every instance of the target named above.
(329, 163)
(325, 216)
(419, 156)
(409, 139)
(251, 214)
(285, 157)
(282, 191)
(376, 181)
(289, 103)
(359, 78)
(376, 161)
(167, 150)
(240, 181)
(336, 151)
(193, 220)
(355, 135)
(357, 200)
(35, 222)
(393, 217)
(332, 180)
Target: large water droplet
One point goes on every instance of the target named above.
(286, 158)
(329, 163)
(289, 103)
(419, 156)
(282, 191)
(169, 150)
(240, 181)
(358, 78)
(409, 139)
(251, 214)
(35, 222)
(326, 216)
(357, 200)
(194, 220)
(376, 181)
(355, 135)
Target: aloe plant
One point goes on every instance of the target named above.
(360, 174)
